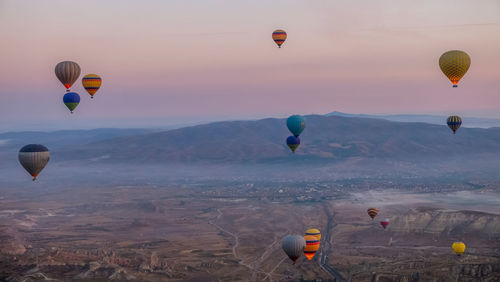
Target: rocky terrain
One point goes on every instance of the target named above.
(151, 233)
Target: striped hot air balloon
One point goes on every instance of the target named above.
(372, 212)
(293, 245)
(454, 123)
(34, 157)
(312, 246)
(279, 36)
(67, 72)
(91, 83)
(454, 65)
(71, 100)
(314, 232)
(293, 143)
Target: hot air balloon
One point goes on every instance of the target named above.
(91, 83)
(312, 246)
(33, 158)
(71, 100)
(458, 248)
(293, 142)
(454, 65)
(454, 123)
(67, 72)
(314, 232)
(384, 222)
(296, 124)
(279, 36)
(372, 212)
(293, 245)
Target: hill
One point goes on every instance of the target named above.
(433, 119)
(330, 138)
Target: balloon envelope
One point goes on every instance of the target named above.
(458, 248)
(454, 65)
(293, 245)
(296, 124)
(454, 123)
(34, 157)
(279, 37)
(384, 222)
(372, 212)
(67, 72)
(312, 246)
(71, 100)
(293, 143)
(314, 232)
(91, 83)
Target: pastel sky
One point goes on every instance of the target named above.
(198, 60)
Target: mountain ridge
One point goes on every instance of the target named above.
(325, 138)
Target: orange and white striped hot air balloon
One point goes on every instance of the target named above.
(91, 83)
(312, 246)
(279, 36)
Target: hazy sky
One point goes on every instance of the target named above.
(185, 61)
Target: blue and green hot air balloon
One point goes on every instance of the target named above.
(293, 143)
(71, 100)
(296, 124)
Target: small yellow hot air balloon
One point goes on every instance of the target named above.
(314, 232)
(312, 246)
(279, 36)
(91, 83)
(458, 248)
(454, 65)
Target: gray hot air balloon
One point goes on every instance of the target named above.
(67, 72)
(33, 158)
(293, 245)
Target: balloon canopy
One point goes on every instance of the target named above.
(67, 72)
(454, 65)
(34, 157)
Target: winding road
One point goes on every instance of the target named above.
(255, 269)
(327, 245)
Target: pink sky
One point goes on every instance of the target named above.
(213, 59)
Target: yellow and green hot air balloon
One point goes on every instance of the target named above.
(314, 232)
(91, 83)
(312, 246)
(454, 65)
(279, 37)
(458, 248)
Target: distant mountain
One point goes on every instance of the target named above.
(432, 119)
(326, 138)
(63, 138)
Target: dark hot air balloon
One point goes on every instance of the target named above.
(34, 157)
(293, 245)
